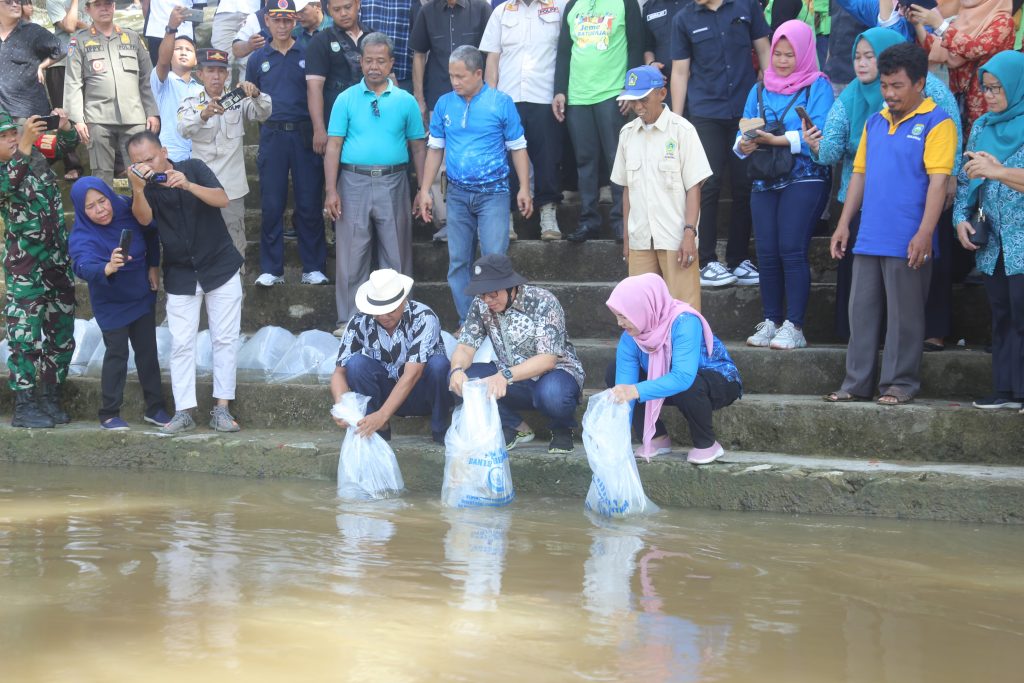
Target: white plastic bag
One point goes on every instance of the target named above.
(307, 354)
(87, 336)
(95, 366)
(261, 354)
(615, 490)
(163, 347)
(204, 354)
(367, 469)
(476, 469)
(5, 352)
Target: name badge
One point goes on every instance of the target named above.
(335, 47)
(657, 15)
(265, 67)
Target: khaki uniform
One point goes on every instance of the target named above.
(107, 87)
(218, 142)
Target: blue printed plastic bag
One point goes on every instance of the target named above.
(476, 471)
(615, 490)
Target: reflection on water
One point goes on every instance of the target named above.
(122, 576)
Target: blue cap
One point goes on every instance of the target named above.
(281, 7)
(640, 81)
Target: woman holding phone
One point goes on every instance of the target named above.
(837, 142)
(786, 208)
(119, 259)
(993, 179)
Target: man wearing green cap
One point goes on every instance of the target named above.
(40, 304)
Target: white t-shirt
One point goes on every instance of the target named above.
(250, 27)
(160, 12)
(246, 6)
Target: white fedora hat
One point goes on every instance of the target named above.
(382, 292)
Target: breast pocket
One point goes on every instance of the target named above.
(670, 174)
(633, 164)
(705, 48)
(739, 32)
(129, 62)
(233, 123)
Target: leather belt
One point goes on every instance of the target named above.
(374, 171)
(284, 125)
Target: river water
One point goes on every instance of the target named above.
(109, 576)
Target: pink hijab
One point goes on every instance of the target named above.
(645, 302)
(801, 37)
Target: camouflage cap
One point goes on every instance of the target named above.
(6, 122)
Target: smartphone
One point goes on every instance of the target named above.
(157, 178)
(125, 243)
(926, 4)
(230, 99)
(804, 116)
(52, 121)
(196, 16)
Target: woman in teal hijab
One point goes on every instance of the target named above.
(994, 178)
(837, 144)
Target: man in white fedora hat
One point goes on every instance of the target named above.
(392, 352)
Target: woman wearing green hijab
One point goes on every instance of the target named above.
(994, 177)
(837, 143)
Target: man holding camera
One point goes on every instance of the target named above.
(171, 81)
(40, 306)
(215, 123)
(106, 88)
(199, 262)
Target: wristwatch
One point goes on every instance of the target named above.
(507, 374)
(941, 30)
(168, 29)
(690, 227)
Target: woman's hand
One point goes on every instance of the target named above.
(982, 165)
(621, 393)
(812, 137)
(116, 263)
(924, 17)
(963, 233)
(747, 146)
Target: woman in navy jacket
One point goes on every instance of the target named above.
(122, 289)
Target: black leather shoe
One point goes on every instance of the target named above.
(582, 235)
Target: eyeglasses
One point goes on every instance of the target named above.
(11, 3)
(491, 295)
(992, 89)
(375, 107)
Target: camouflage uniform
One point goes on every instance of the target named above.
(39, 306)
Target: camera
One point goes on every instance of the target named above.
(230, 99)
(152, 177)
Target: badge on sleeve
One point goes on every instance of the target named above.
(265, 67)
(71, 46)
(302, 63)
(335, 46)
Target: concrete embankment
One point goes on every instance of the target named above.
(742, 481)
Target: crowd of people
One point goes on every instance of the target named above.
(373, 113)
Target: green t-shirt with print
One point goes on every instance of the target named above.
(597, 67)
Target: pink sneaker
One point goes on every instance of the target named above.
(660, 445)
(704, 456)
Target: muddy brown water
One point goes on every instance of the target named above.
(109, 576)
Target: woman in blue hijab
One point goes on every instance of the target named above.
(122, 290)
(993, 179)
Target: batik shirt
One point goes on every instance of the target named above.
(533, 325)
(36, 235)
(416, 339)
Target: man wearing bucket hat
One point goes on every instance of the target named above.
(536, 366)
(392, 352)
(660, 165)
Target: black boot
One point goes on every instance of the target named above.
(48, 400)
(27, 413)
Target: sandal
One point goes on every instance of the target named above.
(842, 397)
(894, 399)
(72, 175)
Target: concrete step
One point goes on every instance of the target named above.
(732, 311)
(926, 430)
(757, 481)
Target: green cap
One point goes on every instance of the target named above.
(6, 122)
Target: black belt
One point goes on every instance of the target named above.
(374, 171)
(285, 125)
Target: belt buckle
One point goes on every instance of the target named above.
(376, 173)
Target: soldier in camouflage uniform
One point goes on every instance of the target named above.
(39, 306)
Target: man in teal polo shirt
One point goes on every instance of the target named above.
(373, 125)
(903, 163)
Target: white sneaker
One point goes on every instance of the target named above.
(763, 334)
(268, 280)
(512, 236)
(314, 277)
(549, 231)
(746, 274)
(715, 274)
(788, 337)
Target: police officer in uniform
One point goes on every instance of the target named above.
(216, 134)
(286, 144)
(106, 87)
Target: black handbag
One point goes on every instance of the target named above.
(769, 162)
(980, 223)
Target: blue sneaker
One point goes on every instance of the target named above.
(160, 418)
(114, 424)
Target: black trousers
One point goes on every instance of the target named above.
(709, 392)
(717, 136)
(142, 333)
(1006, 298)
(55, 89)
(544, 135)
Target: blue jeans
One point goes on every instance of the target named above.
(555, 394)
(429, 396)
(474, 218)
(784, 221)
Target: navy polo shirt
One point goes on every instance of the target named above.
(658, 16)
(283, 77)
(718, 44)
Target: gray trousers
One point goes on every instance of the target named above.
(374, 212)
(104, 140)
(882, 283)
(234, 220)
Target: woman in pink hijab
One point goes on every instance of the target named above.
(667, 354)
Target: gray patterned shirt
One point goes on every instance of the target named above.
(534, 324)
